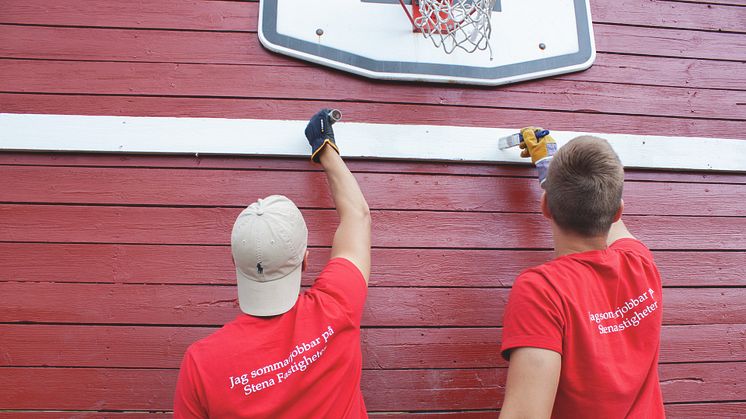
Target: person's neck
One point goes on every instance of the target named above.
(566, 243)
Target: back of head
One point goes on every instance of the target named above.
(584, 186)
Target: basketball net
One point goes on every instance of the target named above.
(452, 24)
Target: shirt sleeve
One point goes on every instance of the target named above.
(634, 246)
(187, 403)
(533, 316)
(344, 282)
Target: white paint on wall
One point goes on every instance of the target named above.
(68, 133)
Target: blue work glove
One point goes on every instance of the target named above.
(319, 133)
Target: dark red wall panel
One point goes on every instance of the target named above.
(111, 265)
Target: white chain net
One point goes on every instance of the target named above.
(452, 24)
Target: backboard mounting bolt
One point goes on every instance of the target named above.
(319, 31)
(542, 46)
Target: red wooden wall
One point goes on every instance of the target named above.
(111, 265)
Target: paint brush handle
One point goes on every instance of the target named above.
(515, 139)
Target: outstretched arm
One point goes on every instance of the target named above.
(352, 239)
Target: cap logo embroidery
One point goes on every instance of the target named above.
(259, 268)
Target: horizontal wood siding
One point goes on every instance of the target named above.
(111, 265)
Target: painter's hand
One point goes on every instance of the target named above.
(319, 133)
(540, 146)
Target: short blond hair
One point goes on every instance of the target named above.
(584, 186)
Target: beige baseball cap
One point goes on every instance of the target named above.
(268, 243)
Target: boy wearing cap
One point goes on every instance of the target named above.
(582, 332)
(288, 356)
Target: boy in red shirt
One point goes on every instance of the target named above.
(582, 332)
(288, 356)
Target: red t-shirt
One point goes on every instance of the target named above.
(602, 311)
(305, 363)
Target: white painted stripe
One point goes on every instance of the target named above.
(285, 138)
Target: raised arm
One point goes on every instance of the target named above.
(352, 238)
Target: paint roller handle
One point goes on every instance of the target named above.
(319, 132)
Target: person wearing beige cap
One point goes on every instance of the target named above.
(288, 354)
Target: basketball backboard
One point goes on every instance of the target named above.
(374, 38)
